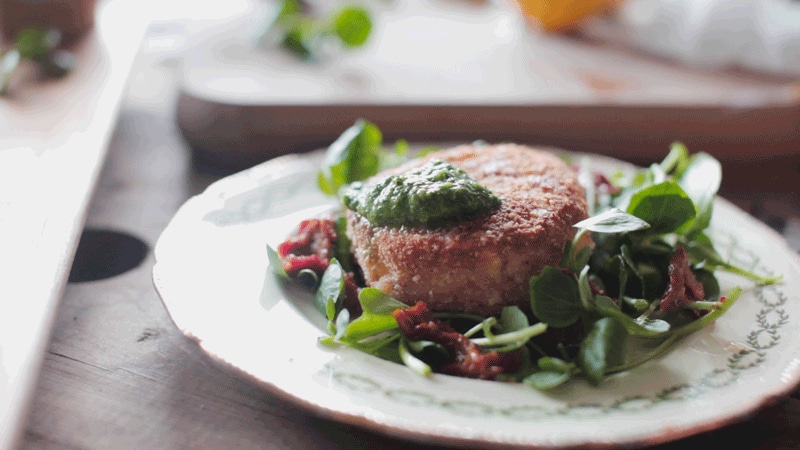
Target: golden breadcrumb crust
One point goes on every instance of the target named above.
(484, 264)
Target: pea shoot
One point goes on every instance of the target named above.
(302, 33)
(40, 47)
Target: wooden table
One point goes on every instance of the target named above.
(118, 374)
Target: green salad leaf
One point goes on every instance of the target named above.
(377, 317)
(555, 298)
(352, 25)
(40, 47)
(664, 206)
(613, 220)
(303, 33)
(603, 347)
(354, 156)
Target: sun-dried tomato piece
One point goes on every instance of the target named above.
(311, 248)
(313, 237)
(684, 287)
(293, 264)
(467, 359)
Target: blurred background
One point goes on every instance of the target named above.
(260, 78)
(624, 78)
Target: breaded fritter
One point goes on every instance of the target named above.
(484, 264)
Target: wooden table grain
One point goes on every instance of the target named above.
(118, 374)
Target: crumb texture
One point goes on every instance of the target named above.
(484, 264)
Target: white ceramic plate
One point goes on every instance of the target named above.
(213, 276)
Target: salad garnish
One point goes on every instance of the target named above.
(303, 33)
(40, 47)
(640, 270)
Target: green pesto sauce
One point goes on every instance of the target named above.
(434, 195)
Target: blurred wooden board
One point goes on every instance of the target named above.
(53, 137)
(446, 70)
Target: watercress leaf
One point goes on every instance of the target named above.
(545, 380)
(383, 346)
(613, 220)
(300, 42)
(652, 278)
(665, 206)
(275, 263)
(353, 156)
(352, 25)
(330, 308)
(601, 348)
(512, 319)
(375, 301)
(554, 364)
(605, 302)
(582, 257)
(627, 256)
(330, 289)
(37, 43)
(577, 252)
(585, 290)
(656, 246)
(676, 160)
(701, 180)
(288, 9)
(368, 325)
(376, 317)
(555, 299)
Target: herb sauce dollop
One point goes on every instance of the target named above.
(434, 195)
